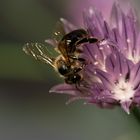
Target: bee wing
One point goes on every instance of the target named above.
(68, 27)
(62, 28)
(39, 52)
(58, 32)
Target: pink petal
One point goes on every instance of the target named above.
(64, 89)
(126, 106)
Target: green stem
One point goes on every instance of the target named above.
(136, 113)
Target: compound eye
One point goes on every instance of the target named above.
(64, 69)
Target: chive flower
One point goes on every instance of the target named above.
(111, 76)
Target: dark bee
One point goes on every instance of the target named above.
(70, 42)
(67, 64)
(69, 72)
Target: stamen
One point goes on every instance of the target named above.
(96, 63)
(128, 40)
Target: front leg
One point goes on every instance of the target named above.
(80, 61)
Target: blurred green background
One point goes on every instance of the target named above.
(27, 110)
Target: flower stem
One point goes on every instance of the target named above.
(136, 113)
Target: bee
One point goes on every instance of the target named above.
(69, 44)
(68, 64)
(69, 72)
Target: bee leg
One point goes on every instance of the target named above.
(82, 60)
(86, 40)
(79, 50)
(103, 42)
(76, 70)
(77, 86)
(92, 40)
(108, 42)
(81, 88)
(100, 42)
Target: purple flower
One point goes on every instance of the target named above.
(112, 74)
(81, 5)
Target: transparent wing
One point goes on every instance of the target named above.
(62, 28)
(68, 27)
(39, 52)
(58, 32)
